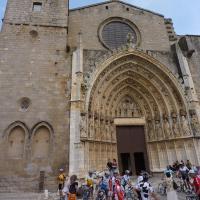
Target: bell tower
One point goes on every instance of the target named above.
(33, 60)
(37, 12)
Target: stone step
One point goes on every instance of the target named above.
(19, 196)
(15, 184)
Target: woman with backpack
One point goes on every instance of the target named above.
(70, 188)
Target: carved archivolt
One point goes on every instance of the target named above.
(131, 84)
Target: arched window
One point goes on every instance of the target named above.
(116, 32)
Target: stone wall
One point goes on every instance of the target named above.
(53, 13)
(151, 26)
(35, 89)
(194, 60)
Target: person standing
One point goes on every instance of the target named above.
(183, 171)
(146, 190)
(125, 179)
(195, 182)
(114, 165)
(109, 166)
(171, 193)
(70, 188)
(189, 165)
(90, 182)
(61, 181)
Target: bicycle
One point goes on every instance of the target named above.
(192, 197)
(86, 192)
(162, 189)
(181, 186)
(129, 194)
(101, 195)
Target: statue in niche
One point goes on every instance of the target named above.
(158, 130)
(102, 130)
(130, 110)
(175, 127)
(185, 126)
(91, 131)
(130, 41)
(195, 125)
(107, 132)
(137, 112)
(150, 130)
(83, 130)
(96, 134)
(167, 128)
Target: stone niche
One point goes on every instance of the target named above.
(41, 143)
(16, 141)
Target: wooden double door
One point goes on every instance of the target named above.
(131, 148)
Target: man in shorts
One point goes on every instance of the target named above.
(183, 172)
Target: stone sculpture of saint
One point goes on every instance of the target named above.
(107, 131)
(83, 130)
(167, 128)
(175, 127)
(195, 125)
(158, 130)
(130, 40)
(185, 127)
(150, 130)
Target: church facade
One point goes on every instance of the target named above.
(80, 86)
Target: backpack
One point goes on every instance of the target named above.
(72, 188)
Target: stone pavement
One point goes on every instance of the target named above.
(53, 196)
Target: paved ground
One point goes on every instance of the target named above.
(36, 196)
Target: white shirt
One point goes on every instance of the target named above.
(145, 189)
(139, 179)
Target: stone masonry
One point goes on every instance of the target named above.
(63, 90)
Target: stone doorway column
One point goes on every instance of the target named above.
(76, 151)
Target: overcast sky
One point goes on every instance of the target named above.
(185, 13)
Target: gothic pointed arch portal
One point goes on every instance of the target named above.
(133, 85)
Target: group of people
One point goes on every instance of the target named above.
(188, 173)
(67, 188)
(111, 184)
(176, 166)
(117, 187)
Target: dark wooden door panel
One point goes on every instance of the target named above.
(131, 140)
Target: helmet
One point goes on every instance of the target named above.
(127, 172)
(90, 172)
(191, 171)
(107, 174)
(145, 177)
(61, 169)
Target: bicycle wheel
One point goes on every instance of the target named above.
(161, 189)
(179, 184)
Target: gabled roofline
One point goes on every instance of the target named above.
(108, 2)
(192, 35)
(189, 35)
